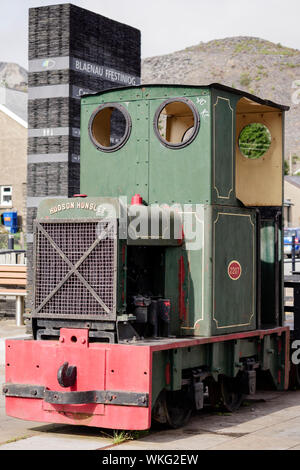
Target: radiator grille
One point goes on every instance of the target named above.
(75, 269)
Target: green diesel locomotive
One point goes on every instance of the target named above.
(160, 285)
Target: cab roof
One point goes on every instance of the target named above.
(211, 85)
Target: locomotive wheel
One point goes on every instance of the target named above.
(214, 392)
(173, 408)
(179, 408)
(231, 394)
(294, 380)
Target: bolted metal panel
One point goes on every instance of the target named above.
(234, 270)
(75, 269)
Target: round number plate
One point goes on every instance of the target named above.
(234, 270)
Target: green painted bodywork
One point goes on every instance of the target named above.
(205, 301)
(200, 177)
(201, 174)
(222, 357)
(223, 147)
(234, 238)
(174, 175)
(144, 165)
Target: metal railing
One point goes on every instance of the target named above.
(12, 256)
(15, 257)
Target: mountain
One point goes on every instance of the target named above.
(268, 70)
(13, 76)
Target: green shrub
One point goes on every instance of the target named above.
(245, 79)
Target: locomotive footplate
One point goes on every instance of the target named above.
(116, 386)
(75, 381)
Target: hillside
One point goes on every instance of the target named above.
(269, 70)
(260, 67)
(13, 76)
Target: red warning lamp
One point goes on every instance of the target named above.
(136, 199)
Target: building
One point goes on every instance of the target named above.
(292, 201)
(13, 152)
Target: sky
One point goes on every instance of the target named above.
(166, 25)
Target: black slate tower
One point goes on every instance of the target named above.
(72, 51)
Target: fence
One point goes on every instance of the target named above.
(13, 257)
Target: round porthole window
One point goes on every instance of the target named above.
(176, 123)
(110, 127)
(254, 140)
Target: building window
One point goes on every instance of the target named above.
(6, 196)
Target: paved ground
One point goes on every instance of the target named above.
(269, 421)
